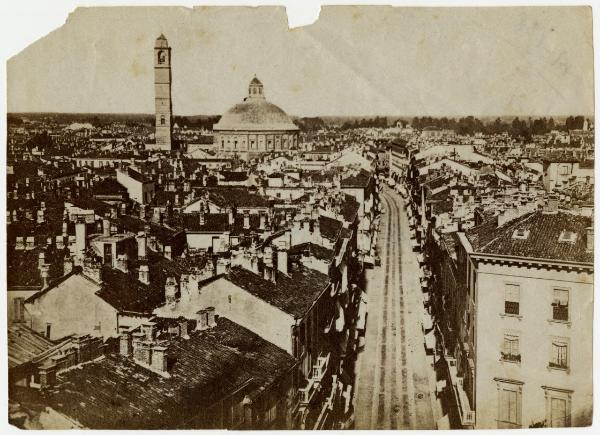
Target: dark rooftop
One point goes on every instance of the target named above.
(293, 294)
(204, 369)
(542, 241)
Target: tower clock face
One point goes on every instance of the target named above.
(162, 57)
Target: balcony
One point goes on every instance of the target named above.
(320, 368)
(307, 394)
(510, 357)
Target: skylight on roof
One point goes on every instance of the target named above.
(567, 236)
(520, 234)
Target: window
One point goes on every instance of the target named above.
(162, 120)
(509, 403)
(19, 307)
(48, 329)
(511, 298)
(560, 305)
(558, 407)
(510, 348)
(229, 298)
(161, 57)
(560, 354)
(564, 170)
(508, 406)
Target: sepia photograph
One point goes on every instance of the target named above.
(381, 220)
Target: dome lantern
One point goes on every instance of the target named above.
(255, 89)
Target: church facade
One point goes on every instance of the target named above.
(254, 127)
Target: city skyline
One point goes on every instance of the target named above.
(548, 47)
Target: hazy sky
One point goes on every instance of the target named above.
(352, 61)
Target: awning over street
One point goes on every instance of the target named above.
(430, 340)
(427, 321)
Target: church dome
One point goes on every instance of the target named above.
(255, 113)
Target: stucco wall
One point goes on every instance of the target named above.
(536, 330)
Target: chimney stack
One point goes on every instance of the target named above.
(171, 290)
(141, 244)
(44, 270)
(210, 317)
(125, 341)
(168, 254)
(149, 330)
(105, 227)
(282, 260)
(159, 358)
(263, 221)
(201, 320)
(246, 220)
(144, 274)
(80, 239)
(67, 266)
(183, 328)
(202, 218)
(122, 263)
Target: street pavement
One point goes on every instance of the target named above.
(394, 383)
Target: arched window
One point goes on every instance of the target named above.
(162, 120)
(162, 57)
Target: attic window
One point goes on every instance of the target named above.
(521, 234)
(567, 236)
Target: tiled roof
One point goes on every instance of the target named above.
(23, 266)
(361, 179)
(312, 249)
(329, 227)
(24, 344)
(236, 196)
(542, 241)
(293, 294)
(116, 393)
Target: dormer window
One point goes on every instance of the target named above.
(567, 236)
(521, 234)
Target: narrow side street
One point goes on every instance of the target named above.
(394, 387)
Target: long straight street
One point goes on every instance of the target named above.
(394, 389)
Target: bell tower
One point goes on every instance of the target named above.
(162, 93)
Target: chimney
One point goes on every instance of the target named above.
(47, 374)
(201, 320)
(170, 290)
(159, 358)
(282, 260)
(137, 338)
(144, 274)
(589, 239)
(149, 330)
(246, 220)
(122, 263)
(168, 254)
(231, 216)
(105, 227)
(65, 227)
(263, 221)
(202, 218)
(44, 269)
(141, 244)
(125, 341)
(41, 216)
(210, 317)
(67, 266)
(80, 239)
(183, 328)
